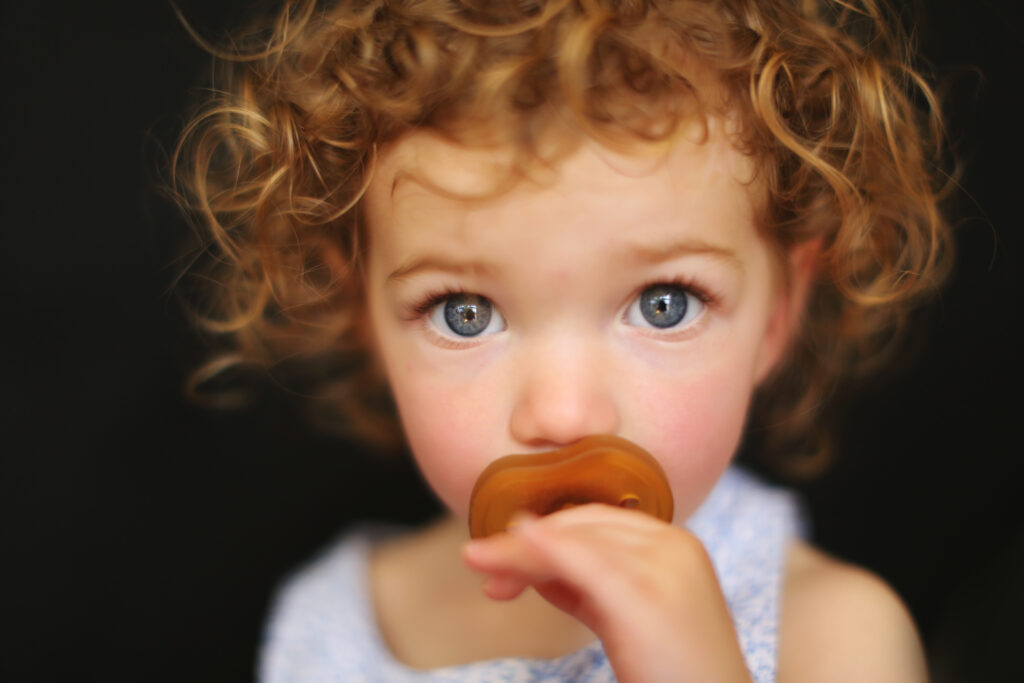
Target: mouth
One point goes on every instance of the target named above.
(596, 469)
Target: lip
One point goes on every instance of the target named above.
(601, 468)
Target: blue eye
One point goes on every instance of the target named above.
(664, 306)
(467, 315)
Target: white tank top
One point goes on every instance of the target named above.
(322, 626)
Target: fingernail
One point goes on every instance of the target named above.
(474, 548)
(520, 521)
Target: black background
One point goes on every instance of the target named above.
(142, 536)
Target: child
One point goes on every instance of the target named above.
(538, 221)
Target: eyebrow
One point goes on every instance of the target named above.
(435, 262)
(650, 255)
(642, 253)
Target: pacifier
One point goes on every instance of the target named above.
(596, 469)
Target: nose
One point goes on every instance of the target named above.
(564, 393)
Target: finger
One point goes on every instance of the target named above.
(619, 531)
(627, 577)
(599, 513)
(510, 561)
(504, 586)
(596, 539)
(591, 580)
(627, 525)
(513, 561)
(608, 563)
(504, 553)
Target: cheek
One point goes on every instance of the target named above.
(694, 428)
(450, 430)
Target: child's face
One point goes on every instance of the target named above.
(624, 297)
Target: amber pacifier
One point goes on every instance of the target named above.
(596, 469)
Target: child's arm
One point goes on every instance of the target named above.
(648, 591)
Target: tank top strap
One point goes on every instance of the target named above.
(746, 526)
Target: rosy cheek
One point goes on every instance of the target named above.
(695, 431)
(449, 433)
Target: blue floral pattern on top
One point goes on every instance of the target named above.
(322, 627)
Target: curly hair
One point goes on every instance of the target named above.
(844, 130)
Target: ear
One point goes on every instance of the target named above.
(800, 268)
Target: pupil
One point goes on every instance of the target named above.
(467, 315)
(663, 305)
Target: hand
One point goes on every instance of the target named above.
(647, 589)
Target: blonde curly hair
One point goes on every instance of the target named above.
(844, 131)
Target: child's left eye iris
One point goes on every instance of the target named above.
(467, 315)
(663, 305)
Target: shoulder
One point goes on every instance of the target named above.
(322, 590)
(842, 623)
(319, 624)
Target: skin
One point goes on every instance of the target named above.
(563, 261)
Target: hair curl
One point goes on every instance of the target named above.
(845, 132)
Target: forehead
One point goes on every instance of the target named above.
(424, 183)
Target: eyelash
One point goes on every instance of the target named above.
(431, 299)
(702, 293)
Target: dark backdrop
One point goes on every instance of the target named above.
(141, 536)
